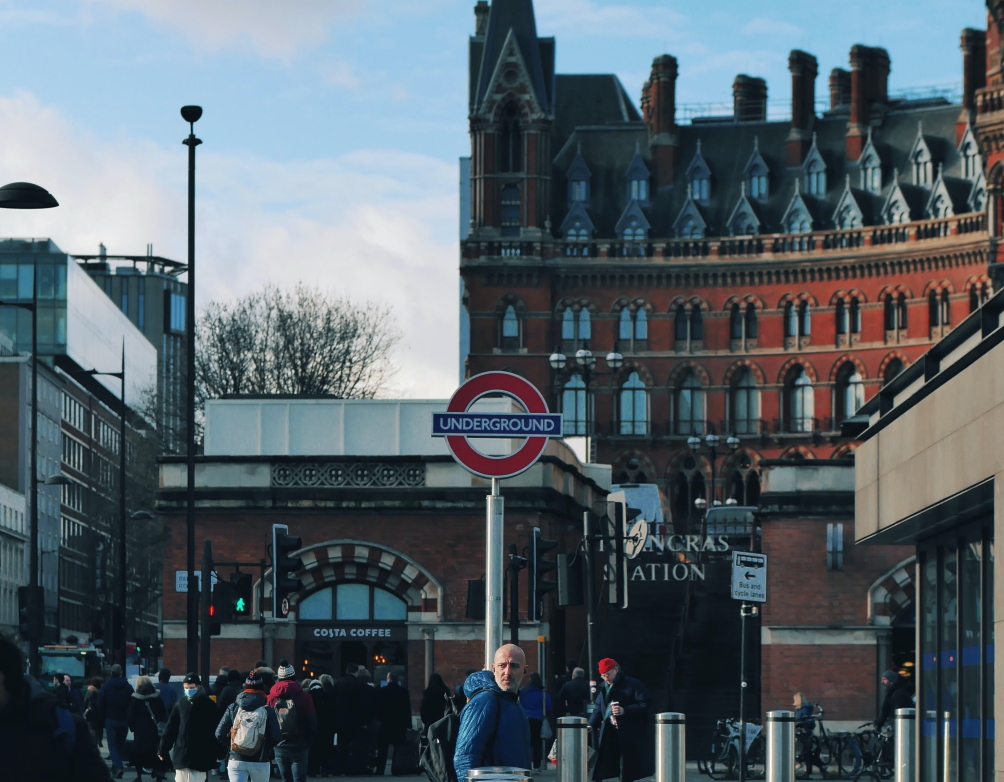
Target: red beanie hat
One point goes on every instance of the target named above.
(607, 664)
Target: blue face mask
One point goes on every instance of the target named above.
(191, 693)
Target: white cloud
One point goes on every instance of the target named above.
(370, 224)
(340, 74)
(764, 26)
(590, 17)
(272, 29)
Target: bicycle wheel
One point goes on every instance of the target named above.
(826, 753)
(756, 758)
(849, 760)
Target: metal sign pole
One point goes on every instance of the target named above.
(493, 574)
(742, 694)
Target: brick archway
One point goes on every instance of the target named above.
(335, 561)
(892, 593)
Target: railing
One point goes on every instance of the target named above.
(796, 425)
(989, 100)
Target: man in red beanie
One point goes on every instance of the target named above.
(621, 719)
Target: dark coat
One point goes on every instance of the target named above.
(477, 722)
(306, 718)
(572, 698)
(190, 734)
(92, 712)
(435, 704)
(40, 744)
(167, 694)
(348, 704)
(228, 696)
(631, 729)
(249, 701)
(395, 713)
(899, 695)
(533, 700)
(114, 698)
(142, 724)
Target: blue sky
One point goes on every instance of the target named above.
(332, 127)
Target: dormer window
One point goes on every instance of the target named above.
(637, 176)
(815, 171)
(699, 176)
(578, 191)
(638, 190)
(701, 188)
(921, 161)
(634, 232)
(756, 172)
(969, 151)
(578, 180)
(690, 230)
(871, 178)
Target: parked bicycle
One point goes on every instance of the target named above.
(723, 761)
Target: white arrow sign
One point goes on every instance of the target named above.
(749, 576)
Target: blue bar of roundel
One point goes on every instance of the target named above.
(509, 425)
(930, 661)
(930, 729)
(971, 655)
(989, 728)
(970, 729)
(990, 654)
(948, 658)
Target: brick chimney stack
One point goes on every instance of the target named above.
(840, 88)
(659, 111)
(869, 87)
(974, 76)
(804, 68)
(749, 98)
(481, 17)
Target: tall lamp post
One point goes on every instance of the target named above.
(191, 115)
(712, 440)
(120, 649)
(25, 195)
(586, 362)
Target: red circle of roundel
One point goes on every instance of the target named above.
(521, 389)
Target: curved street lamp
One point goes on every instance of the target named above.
(586, 361)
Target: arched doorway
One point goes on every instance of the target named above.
(892, 603)
(355, 607)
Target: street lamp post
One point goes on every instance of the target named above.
(122, 579)
(25, 195)
(586, 362)
(712, 440)
(191, 115)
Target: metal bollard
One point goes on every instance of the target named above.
(499, 774)
(670, 747)
(904, 722)
(780, 746)
(572, 758)
(946, 745)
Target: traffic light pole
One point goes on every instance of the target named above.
(207, 601)
(587, 549)
(516, 564)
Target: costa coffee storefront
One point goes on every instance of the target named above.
(392, 530)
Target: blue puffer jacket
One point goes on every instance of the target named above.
(477, 723)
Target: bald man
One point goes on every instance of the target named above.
(494, 730)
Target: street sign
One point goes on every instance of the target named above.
(636, 539)
(749, 576)
(534, 426)
(181, 580)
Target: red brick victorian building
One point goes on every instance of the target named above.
(759, 278)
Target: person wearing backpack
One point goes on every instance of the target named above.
(494, 730)
(147, 719)
(250, 730)
(294, 709)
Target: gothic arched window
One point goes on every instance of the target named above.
(850, 391)
(735, 323)
(510, 329)
(633, 406)
(946, 309)
(751, 327)
(696, 323)
(745, 403)
(799, 402)
(892, 369)
(855, 316)
(933, 309)
(681, 324)
(901, 312)
(690, 405)
(804, 319)
(510, 155)
(843, 319)
(574, 406)
(790, 320)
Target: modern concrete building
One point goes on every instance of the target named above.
(929, 473)
(13, 554)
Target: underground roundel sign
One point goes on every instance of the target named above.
(534, 426)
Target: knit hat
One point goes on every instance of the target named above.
(253, 681)
(285, 669)
(892, 676)
(607, 664)
(193, 678)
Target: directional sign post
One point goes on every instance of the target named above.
(534, 427)
(749, 584)
(749, 576)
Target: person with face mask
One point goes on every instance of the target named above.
(190, 735)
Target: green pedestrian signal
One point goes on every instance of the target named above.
(243, 586)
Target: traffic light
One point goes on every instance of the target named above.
(242, 594)
(537, 567)
(570, 580)
(215, 627)
(475, 599)
(283, 565)
(615, 527)
(221, 606)
(31, 612)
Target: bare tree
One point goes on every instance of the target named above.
(294, 342)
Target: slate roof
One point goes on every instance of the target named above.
(608, 135)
